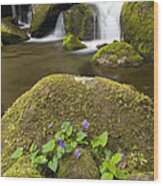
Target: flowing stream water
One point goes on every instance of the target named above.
(24, 64)
(108, 16)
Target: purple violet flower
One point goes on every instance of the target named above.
(122, 155)
(77, 153)
(86, 124)
(50, 125)
(61, 144)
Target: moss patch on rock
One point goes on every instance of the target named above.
(125, 113)
(22, 168)
(117, 54)
(137, 24)
(79, 21)
(71, 42)
(82, 168)
(10, 33)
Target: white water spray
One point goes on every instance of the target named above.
(57, 34)
(13, 8)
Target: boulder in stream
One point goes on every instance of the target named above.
(79, 20)
(11, 33)
(121, 110)
(117, 54)
(137, 25)
(72, 42)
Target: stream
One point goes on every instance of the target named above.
(24, 64)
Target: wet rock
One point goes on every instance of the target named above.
(10, 33)
(71, 42)
(137, 25)
(117, 54)
(79, 20)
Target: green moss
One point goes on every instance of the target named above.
(142, 176)
(79, 21)
(117, 54)
(71, 42)
(125, 113)
(22, 168)
(82, 168)
(137, 24)
(10, 33)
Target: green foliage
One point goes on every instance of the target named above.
(109, 169)
(53, 164)
(100, 141)
(18, 153)
(81, 136)
(48, 147)
(72, 42)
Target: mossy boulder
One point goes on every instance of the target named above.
(10, 33)
(44, 18)
(137, 25)
(83, 168)
(79, 20)
(125, 113)
(22, 168)
(117, 54)
(72, 42)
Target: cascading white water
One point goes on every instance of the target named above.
(57, 34)
(13, 8)
(25, 24)
(109, 20)
(108, 24)
(108, 16)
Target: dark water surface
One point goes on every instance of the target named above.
(24, 64)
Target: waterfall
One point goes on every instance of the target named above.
(57, 34)
(13, 8)
(108, 24)
(106, 16)
(109, 20)
(27, 23)
(59, 31)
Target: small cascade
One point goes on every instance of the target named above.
(27, 23)
(13, 8)
(59, 31)
(57, 34)
(108, 24)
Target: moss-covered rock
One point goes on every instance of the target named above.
(10, 33)
(22, 168)
(45, 17)
(117, 54)
(137, 24)
(125, 113)
(79, 21)
(82, 168)
(142, 176)
(71, 42)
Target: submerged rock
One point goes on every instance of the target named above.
(137, 25)
(71, 42)
(117, 54)
(10, 33)
(79, 20)
(125, 113)
(83, 168)
(22, 168)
